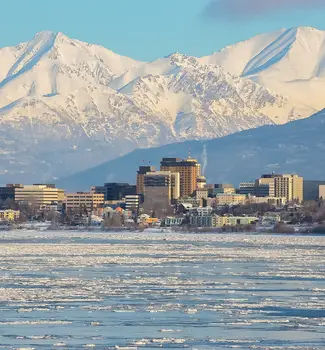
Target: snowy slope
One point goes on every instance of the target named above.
(234, 58)
(66, 105)
(290, 62)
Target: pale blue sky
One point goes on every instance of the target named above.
(147, 29)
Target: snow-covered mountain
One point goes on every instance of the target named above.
(290, 62)
(66, 105)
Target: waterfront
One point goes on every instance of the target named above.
(76, 290)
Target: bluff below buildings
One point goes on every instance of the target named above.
(296, 147)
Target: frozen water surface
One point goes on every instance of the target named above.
(75, 290)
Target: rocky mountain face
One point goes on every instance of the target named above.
(66, 105)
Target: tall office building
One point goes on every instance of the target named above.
(189, 171)
(160, 188)
(140, 177)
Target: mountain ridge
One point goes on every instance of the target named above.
(66, 105)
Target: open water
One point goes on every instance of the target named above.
(75, 290)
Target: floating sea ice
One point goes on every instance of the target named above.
(60, 344)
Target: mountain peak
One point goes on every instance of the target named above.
(66, 100)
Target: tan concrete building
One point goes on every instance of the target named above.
(221, 221)
(189, 170)
(38, 194)
(87, 200)
(273, 201)
(289, 186)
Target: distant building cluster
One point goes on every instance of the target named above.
(177, 194)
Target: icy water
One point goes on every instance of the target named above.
(75, 290)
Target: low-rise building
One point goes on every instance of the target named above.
(202, 217)
(223, 189)
(84, 200)
(235, 220)
(171, 221)
(270, 219)
(132, 202)
(278, 202)
(201, 211)
(230, 199)
(203, 221)
(9, 215)
(38, 194)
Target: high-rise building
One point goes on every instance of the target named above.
(38, 194)
(189, 171)
(140, 177)
(160, 188)
(289, 186)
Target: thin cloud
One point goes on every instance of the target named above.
(252, 8)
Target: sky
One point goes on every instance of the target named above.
(148, 29)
